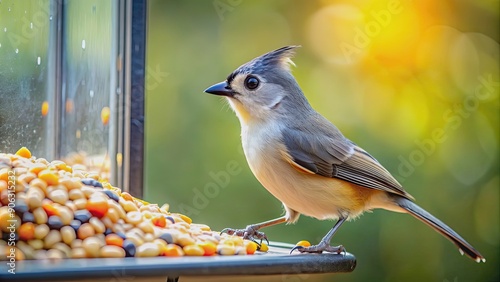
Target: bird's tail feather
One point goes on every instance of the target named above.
(440, 227)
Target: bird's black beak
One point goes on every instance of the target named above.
(221, 88)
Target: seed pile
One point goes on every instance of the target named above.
(53, 210)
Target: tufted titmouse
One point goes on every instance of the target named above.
(304, 160)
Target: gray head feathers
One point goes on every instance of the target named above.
(279, 58)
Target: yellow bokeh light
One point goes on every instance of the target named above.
(397, 33)
(335, 34)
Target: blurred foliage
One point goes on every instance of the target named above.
(399, 78)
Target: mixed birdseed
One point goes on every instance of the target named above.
(54, 210)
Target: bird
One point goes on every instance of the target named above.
(304, 160)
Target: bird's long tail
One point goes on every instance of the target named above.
(440, 227)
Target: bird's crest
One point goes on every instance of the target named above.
(281, 58)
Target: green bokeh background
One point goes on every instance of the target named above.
(410, 80)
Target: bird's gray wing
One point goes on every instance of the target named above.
(326, 152)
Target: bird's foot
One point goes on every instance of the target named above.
(319, 248)
(251, 232)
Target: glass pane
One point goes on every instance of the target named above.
(27, 92)
(89, 61)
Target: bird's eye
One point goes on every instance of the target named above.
(251, 82)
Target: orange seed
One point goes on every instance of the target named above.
(24, 152)
(114, 240)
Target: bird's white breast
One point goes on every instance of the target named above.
(307, 194)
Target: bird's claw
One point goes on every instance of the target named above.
(250, 233)
(318, 249)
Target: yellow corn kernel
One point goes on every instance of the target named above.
(251, 247)
(173, 250)
(193, 250)
(37, 167)
(185, 218)
(303, 243)
(24, 152)
(208, 247)
(50, 177)
(263, 247)
(4, 174)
